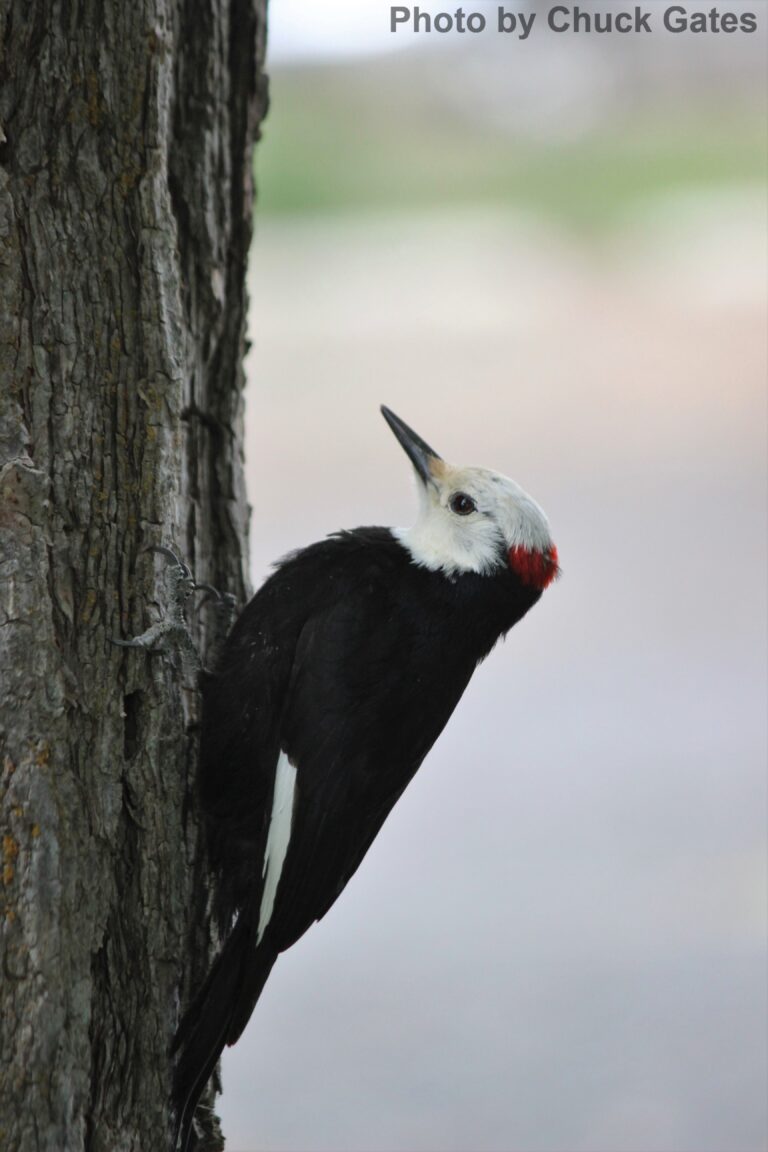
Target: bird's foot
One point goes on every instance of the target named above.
(171, 633)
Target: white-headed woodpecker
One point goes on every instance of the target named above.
(331, 689)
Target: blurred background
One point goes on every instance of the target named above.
(549, 257)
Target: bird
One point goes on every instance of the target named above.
(330, 690)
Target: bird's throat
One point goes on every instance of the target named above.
(533, 568)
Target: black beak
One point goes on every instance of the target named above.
(418, 452)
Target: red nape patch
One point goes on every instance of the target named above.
(538, 569)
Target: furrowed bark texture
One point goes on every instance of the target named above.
(125, 220)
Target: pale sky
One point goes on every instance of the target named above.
(335, 28)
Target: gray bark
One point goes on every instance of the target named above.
(125, 220)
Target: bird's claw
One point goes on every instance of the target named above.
(171, 632)
(171, 555)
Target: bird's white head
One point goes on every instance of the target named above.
(472, 519)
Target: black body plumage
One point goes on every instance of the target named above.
(350, 659)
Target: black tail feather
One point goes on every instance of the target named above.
(216, 1017)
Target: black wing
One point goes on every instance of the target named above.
(368, 697)
(242, 710)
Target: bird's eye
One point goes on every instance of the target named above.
(462, 504)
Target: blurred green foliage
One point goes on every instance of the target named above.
(379, 136)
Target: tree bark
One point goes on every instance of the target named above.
(125, 219)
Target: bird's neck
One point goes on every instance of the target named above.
(468, 610)
(432, 544)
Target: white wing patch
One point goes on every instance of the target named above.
(277, 838)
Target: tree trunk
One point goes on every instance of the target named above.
(125, 208)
